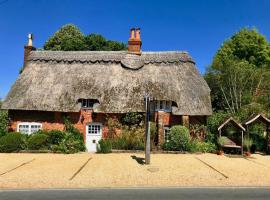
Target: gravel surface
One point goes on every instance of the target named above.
(126, 170)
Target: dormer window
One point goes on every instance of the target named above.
(163, 105)
(88, 103)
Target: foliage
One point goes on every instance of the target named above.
(247, 143)
(113, 125)
(153, 133)
(248, 45)
(70, 38)
(239, 74)
(179, 139)
(215, 120)
(11, 142)
(131, 138)
(55, 137)
(73, 141)
(104, 146)
(67, 38)
(70, 144)
(95, 42)
(221, 141)
(38, 141)
(3, 120)
(246, 111)
(132, 118)
(196, 145)
(69, 127)
(200, 132)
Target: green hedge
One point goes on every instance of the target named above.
(38, 142)
(12, 142)
(104, 146)
(179, 139)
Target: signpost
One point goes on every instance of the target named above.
(147, 128)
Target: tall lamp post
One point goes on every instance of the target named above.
(147, 129)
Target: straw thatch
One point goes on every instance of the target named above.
(55, 81)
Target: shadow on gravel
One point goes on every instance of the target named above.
(139, 160)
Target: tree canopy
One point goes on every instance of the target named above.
(240, 72)
(70, 38)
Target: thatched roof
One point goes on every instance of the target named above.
(56, 80)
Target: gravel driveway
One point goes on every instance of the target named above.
(86, 170)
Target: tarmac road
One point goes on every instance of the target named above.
(138, 193)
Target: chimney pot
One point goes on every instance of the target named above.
(138, 34)
(132, 33)
(134, 42)
(30, 40)
(28, 48)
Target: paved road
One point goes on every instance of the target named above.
(140, 194)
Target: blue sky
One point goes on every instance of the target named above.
(198, 26)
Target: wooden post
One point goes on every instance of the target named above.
(185, 120)
(147, 129)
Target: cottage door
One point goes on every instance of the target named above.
(93, 135)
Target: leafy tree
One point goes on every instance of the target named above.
(67, 38)
(239, 74)
(70, 38)
(248, 45)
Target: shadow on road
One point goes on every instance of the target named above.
(139, 160)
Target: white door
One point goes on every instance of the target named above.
(93, 135)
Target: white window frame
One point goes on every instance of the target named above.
(29, 124)
(166, 130)
(94, 124)
(162, 105)
(85, 103)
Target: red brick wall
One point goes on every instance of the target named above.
(54, 120)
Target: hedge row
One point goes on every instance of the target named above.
(56, 141)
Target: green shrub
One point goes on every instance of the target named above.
(72, 143)
(38, 141)
(198, 146)
(12, 142)
(131, 138)
(104, 146)
(132, 118)
(214, 121)
(55, 137)
(179, 139)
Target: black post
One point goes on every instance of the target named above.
(147, 129)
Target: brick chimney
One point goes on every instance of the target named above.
(28, 48)
(134, 42)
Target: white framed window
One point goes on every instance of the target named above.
(87, 103)
(94, 129)
(166, 133)
(29, 127)
(163, 106)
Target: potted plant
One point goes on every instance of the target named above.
(221, 142)
(247, 144)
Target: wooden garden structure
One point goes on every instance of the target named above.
(230, 143)
(262, 118)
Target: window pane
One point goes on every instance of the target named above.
(24, 129)
(94, 129)
(35, 128)
(166, 134)
(161, 105)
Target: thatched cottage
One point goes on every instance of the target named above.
(89, 85)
